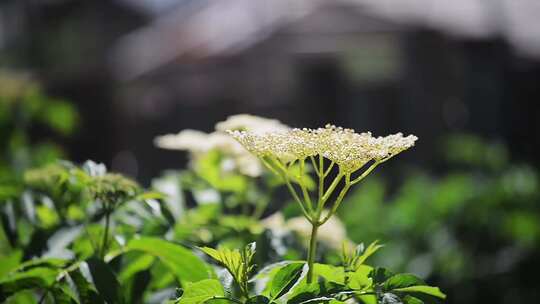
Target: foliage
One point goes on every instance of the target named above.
(79, 234)
(474, 224)
(24, 107)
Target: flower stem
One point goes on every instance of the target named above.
(312, 252)
(105, 233)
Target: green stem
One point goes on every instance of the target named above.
(315, 167)
(307, 198)
(339, 199)
(285, 175)
(297, 198)
(331, 188)
(106, 233)
(329, 168)
(368, 171)
(312, 252)
(320, 203)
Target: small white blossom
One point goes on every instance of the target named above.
(199, 143)
(252, 123)
(187, 140)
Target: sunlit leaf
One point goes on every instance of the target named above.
(186, 266)
(202, 291)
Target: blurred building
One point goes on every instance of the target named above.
(139, 68)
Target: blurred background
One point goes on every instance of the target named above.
(100, 79)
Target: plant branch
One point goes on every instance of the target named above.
(329, 168)
(312, 251)
(368, 171)
(105, 233)
(318, 169)
(307, 197)
(339, 199)
(331, 188)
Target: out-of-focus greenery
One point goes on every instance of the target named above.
(24, 108)
(80, 234)
(478, 220)
(56, 247)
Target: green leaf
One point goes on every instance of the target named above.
(284, 279)
(424, 289)
(330, 273)
(38, 277)
(208, 167)
(186, 266)
(330, 280)
(47, 216)
(141, 263)
(370, 250)
(402, 280)
(105, 281)
(9, 262)
(412, 300)
(360, 279)
(150, 195)
(60, 116)
(202, 291)
(237, 262)
(87, 293)
(380, 275)
(62, 294)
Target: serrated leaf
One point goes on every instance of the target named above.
(237, 262)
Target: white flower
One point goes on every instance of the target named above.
(348, 149)
(252, 123)
(198, 143)
(187, 140)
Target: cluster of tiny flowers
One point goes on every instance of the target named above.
(345, 147)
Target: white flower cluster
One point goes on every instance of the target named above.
(252, 123)
(345, 147)
(199, 143)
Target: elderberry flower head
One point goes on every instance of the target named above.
(348, 149)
